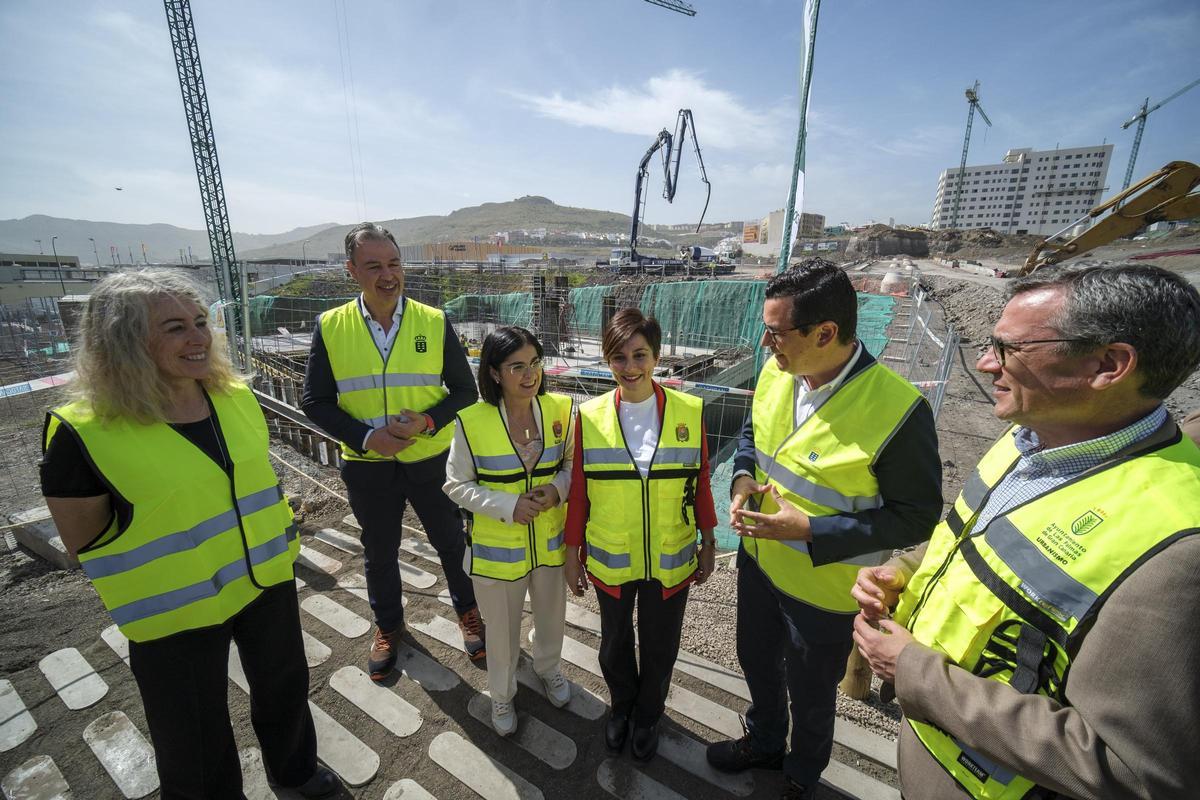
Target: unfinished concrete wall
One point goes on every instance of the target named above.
(880, 240)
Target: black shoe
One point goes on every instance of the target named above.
(644, 743)
(616, 729)
(738, 755)
(796, 791)
(323, 783)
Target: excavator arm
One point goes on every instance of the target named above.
(1171, 195)
(672, 147)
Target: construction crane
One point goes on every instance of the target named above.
(671, 145)
(208, 168)
(1140, 119)
(1171, 193)
(675, 5)
(973, 103)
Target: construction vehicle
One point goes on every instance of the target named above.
(671, 145)
(1171, 195)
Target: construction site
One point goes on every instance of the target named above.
(71, 718)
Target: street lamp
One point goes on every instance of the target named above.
(96, 251)
(60, 277)
(304, 253)
(41, 250)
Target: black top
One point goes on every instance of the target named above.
(66, 471)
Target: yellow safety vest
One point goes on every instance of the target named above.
(507, 550)
(189, 558)
(371, 388)
(641, 527)
(824, 467)
(1013, 600)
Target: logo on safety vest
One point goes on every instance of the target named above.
(557, 430)
(419, 344)
(682, 433)
(1086, 523)
(813, 455)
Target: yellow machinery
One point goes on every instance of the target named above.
(1171, 195)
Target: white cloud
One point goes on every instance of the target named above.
(722, 120)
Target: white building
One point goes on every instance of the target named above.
(1032, 191)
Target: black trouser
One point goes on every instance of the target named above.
(378, 492)
(184, 683)
(642, 693)
(782, 653)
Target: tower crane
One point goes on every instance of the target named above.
(1140, 119)
(208, 168)
(973, 103)
(675, 5)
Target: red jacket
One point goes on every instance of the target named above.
(578, 505)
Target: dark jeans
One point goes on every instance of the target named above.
(787, 648)
(184, 682)
(378, 492)
(660, 622)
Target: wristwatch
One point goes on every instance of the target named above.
(429, 425)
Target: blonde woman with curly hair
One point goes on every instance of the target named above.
(158, 479)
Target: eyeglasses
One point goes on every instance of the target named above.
(774, 335)
(518, 368)
(999, 346)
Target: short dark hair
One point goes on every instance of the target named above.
(820, 291)
(627, 323)
(367, 232)
(1153, 309)
(497, 346)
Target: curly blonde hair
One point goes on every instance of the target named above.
(114, 371)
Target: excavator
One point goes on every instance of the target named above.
(1172, 195)
(671, 145)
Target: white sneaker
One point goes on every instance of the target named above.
(557, 689)
(504, 717)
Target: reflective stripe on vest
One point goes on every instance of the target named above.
(181, 563)
(507, 550)
(371, 389)
(1037, 574)
(823, 468)
(641, 528)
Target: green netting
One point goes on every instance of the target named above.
(874, 316)
(708, 313)
(268, 312)
(514, 308)
(587, 302)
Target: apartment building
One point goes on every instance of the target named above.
(1032, 191)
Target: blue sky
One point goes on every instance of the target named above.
(458, 103)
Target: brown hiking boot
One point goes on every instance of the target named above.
(382, 658)
(473, 631)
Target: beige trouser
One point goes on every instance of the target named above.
(501, 604)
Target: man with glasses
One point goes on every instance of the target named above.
(836, 467)
(386, 376)
(1045, 642)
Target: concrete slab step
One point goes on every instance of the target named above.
(473, 767)
(855, 784)
(582, 656)
(342, 541)
(380, 703)
(351, 521)
(70, 674)
(342, 751)
(124, 753)
(300, 583)
(868, 743)
(407, 789)
(537, 738)
(583, 702)
(335, 615)
(713, 674)
(416, 577)
(119, 643)
(423, 670)
(236, 673)
(356, 584)
(254, 778)
(442, 629)
(315, 651)
(709, 714)
(688, 754)
(317, 561)
(421, 548)
(37, 778)
(16, 723)
(621, 779)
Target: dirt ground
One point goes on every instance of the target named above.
(43, 609)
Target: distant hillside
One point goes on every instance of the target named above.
(163, 242)
(475, 221)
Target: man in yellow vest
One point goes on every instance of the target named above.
(836, 467)
(1046, 642)
(386, 376)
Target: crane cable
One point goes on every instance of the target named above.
(351, 104)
